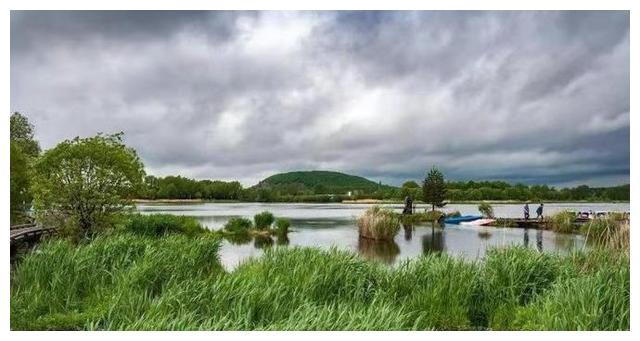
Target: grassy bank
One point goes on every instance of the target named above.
(175, 282)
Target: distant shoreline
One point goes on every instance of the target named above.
(365, 201)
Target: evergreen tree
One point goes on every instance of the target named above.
(434, 189)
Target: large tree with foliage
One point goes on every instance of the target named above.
(21, 133)
(23, 151)
(81, 184)
(434, 189)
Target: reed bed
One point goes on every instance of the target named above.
(136, 282)
(379, 224)
(563, 221)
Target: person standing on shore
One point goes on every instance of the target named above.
(539, 211)
(526, 211)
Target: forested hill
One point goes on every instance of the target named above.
(321, 182)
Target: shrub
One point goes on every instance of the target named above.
(263, 220)
(237, 224)
(157, 225)
(282, 225)
(486, 209)
(378, 223)
(82, 184)
(563, 221)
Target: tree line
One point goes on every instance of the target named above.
(91, 176)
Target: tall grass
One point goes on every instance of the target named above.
(379, 224)
(563, 221)
(133, 282)
(238, 225)
(607, 232)
(263, 220)
(161, 224)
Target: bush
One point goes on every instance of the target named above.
(486, 209)
(563, 222)
(378, 223)
(237, 224)
(282, 225)
(263, 220)
(156, 225)
(81, 185)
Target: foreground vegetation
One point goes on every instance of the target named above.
(174, 282)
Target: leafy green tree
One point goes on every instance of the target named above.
(19, 183)
(410, 184)
(434, 189)
(21, 133)
(82, 184)
(23, 151)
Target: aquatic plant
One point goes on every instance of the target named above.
(486, 210)
(421, 217)
(263, 220)
(378, 223)
(160, 224)
(238, 225)
(282, 225)
(563, 222)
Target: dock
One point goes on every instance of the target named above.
(28, 232)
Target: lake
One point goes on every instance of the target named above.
(333, 225)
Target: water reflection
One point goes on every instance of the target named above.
(539, 240)
(238, 239)
(408, 231)
(261, 242)
(484, 234)
(526, 238)
(282, 239)
(433, 242)
(385, 251)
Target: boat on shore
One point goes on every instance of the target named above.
(459, 219)
(479, 222)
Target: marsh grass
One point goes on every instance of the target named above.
(134, 282)
(282, 226)
(379, 224)
(420, 217)
(563, 222)
(263, 220)
(238, 225)
(160, 224)
(607, 232)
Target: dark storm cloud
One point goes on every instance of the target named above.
(540, 97)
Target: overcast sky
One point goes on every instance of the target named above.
(534, 97)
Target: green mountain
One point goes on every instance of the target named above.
(320, 182)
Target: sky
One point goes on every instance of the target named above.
(531, 97)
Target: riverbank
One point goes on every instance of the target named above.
(124, 281)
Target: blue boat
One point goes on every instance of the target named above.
(458, 220)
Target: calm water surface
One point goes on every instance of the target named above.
(333, 225)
